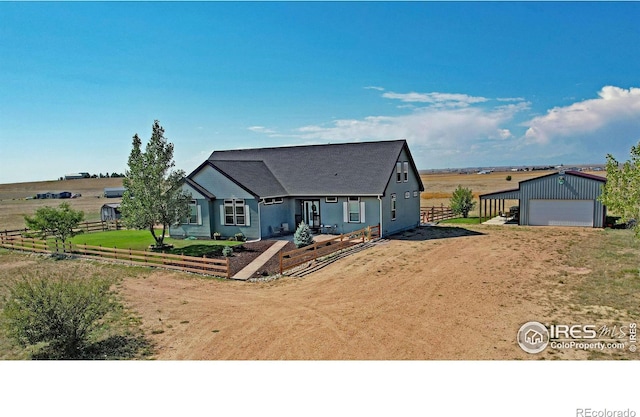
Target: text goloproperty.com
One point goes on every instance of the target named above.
(590, 412)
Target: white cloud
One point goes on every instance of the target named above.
(433, 127)
(435, 98)
(373, 87)
(614, 107)
(261, 129)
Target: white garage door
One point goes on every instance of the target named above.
(561, 213)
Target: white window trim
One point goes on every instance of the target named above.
(198, 213)
(398, 171)
(394, 207)
(347, 210)
(405, 171)
(331, 199)
(235, 203)
(407, 194)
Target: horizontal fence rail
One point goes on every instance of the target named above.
(296, 257)
(435, 213)
(206, 266)
(86, 227)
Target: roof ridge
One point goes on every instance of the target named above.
(307, 146)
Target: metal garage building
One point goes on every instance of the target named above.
(567, 198)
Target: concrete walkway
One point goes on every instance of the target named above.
(501, 221)
(249, 270)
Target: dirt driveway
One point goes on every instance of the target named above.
(440, 293)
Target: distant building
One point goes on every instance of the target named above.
(77, 176)
(54, 194)
(113, 192)
(110, 212)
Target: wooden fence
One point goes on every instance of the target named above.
(435, 213)
(293, 258)
(86, 227)
(206, 266)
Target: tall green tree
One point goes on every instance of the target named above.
(58, 222)
(621, 193)
(153, 194)
(462, 201)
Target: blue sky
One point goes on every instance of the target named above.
(467, 84)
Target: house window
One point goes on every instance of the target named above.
(407, 194)
(277, 200)
(405, 171)
(194, 213)
(398, 171)
(331, 200)
(415, 193)
(354, 209)
(393, 206)
(234, 213)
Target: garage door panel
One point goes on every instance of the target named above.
(561, 213)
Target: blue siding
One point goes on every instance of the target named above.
(407, 209)
(202, 231)
(221, 186)
(251, 232)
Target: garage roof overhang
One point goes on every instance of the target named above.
(502, 195)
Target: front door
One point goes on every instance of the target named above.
(311, 213)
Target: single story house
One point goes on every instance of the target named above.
(110, 211)
(564, 198)
(334, 188)
(54, 194)
(113, 192)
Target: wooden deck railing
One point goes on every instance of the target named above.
(206, 266)
(296, 257)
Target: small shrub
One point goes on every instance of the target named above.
(508, 177)
(240, 237)
(227, 251)
(57, 313)
(302, 237)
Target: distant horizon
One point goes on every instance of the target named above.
(421, 170)
(465, 83)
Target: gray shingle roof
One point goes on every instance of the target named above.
(253, 175)
(362, 168)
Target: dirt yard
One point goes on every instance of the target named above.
(438, 293)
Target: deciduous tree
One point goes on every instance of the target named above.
(58, 222)
(621, 193)
(153, 194)
(462, 201)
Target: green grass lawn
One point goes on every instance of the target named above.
(462, 220)
(142, 239)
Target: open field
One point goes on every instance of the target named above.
(13, 203)
(437, 293)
